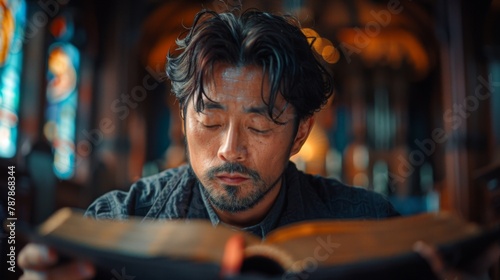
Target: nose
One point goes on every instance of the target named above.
(232, 148)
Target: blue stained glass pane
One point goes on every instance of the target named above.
(62, 98)
(12, 20)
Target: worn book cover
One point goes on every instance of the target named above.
(322, 249)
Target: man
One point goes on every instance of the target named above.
(248, 87)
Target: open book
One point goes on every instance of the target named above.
(324, 249)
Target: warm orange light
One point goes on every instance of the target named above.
(6, 31)
(392, 47)
(310, 34)
(321, 45)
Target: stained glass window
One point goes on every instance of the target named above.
(12, 20)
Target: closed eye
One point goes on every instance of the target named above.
(211, 126)
(259, 131)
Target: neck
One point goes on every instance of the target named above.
(251, 216)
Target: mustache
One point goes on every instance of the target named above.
(232, 167)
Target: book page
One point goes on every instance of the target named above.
(341, 242)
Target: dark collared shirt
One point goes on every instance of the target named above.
(176, 194)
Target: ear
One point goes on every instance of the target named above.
(182, 119)
(305, 127)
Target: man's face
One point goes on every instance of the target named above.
(237, 152)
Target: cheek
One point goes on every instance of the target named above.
(269, 152)
(201, 146)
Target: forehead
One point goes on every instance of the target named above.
(238, 74)
(242, 88)
(237, 83)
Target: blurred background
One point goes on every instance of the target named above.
(85, 106)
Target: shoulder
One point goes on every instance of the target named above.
(354, 202)
(141, 196)
(343, 201)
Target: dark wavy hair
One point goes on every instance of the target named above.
(272, 42)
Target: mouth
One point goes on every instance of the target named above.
(232, 178)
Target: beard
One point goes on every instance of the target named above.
(229, 198)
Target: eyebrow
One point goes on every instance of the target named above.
(260, 110)
(213, 105)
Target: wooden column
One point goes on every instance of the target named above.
(465, 114)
